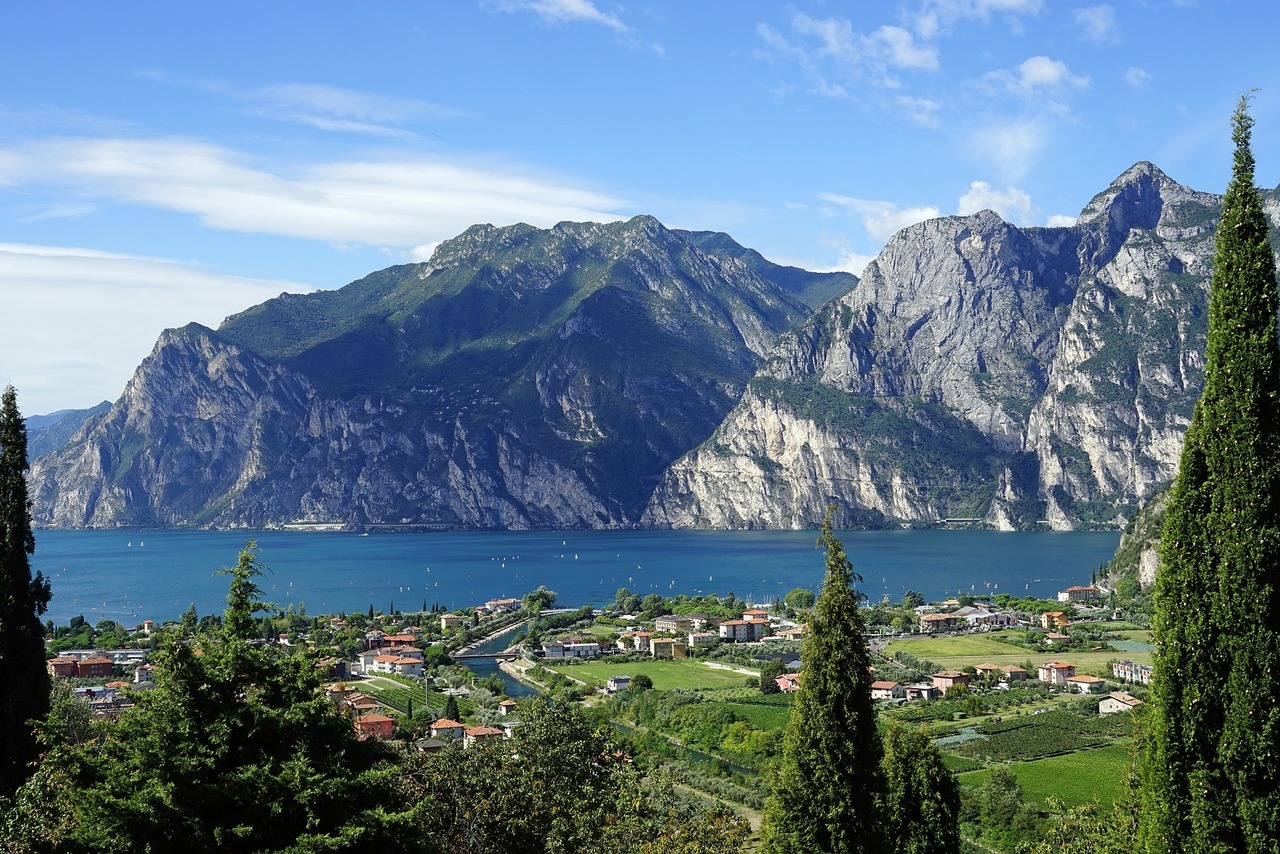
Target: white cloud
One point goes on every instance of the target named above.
(881, 219)
(1097, 24)
(565, 11)
(57, 346)
(1036, 75)
(1137, 77)
(837, 59)
(937, 16)
(395, 203)
(1012, 204)
(900, 49)
(1011, 148)
(1060, 221)
(922, 111)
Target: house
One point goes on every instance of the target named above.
(506, 707)
(794, 633)
(503, 606)
(1056, 639)
(702, 640)
(62, 666)
(617, 683)
(699, 622)
(94, 667)
(922, 692)
(988, 671)
(1013, 673)
(144, 674)
(756, 614)
(788, 682)
(673, 624)
(937, 622)
(1054, 620)
(666, 648)
(445, 728)
(401, 639)
(1079, 594)
(1056, 672)
(640, 640)
(945, 680)
(1116, 702)
(571, 649)
(375, 639)
(481, 735)
(430, 745)
(450, 622)
(885, 690)
(743, 630)
(1128, 671)
(1086, 684)
(375, 726)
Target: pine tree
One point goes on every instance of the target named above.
(921, 800)
(1212, 769)
(824, 795)
(23, 599)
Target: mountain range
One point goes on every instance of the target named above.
(628, 374)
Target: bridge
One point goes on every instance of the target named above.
(496, 656)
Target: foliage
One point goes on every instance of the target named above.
(800, 598)
(1212, 780)
(23, 599)
(1048, 734)
(824, 794)
(557, 785)
(921, 802)
(235, 749)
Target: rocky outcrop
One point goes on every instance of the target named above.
(1018, 377)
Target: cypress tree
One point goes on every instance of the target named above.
(824, 796)
(1212, 771)
(921, 800)
(24, 681)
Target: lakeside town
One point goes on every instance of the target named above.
(995, 680)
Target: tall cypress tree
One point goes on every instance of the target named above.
(1212, 770)
(24, 682)
(824, 796)
(921, 799)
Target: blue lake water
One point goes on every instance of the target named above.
(135, 575)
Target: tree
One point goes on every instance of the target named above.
(1211, 775)
(912, 599)
(235, 749)
(769, 673)
(540, 599)
(451, 709)
(800, 598)
(921, 801)
(641, 682)
(824, 793)
(23, 600)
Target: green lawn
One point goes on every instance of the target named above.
(964, 650)
(1078, 778)
(684, 673)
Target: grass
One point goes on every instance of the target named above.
(1078, 778)
(666, 675)
(964, 650)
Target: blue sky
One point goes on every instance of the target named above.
(162, 163)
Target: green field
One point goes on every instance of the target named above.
(685, 673)
(1077, 778)
(966, 650)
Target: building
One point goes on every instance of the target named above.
(1054, 620)
(673, 624)
(1116, 702)
(1056, 672)
(702, 640)
(921, 692)
(1079, 594)
(446, 729)
(503, 606)
(506, 707)
(1086, 684)
(450, 622)
(1013, 673)
(1128, 671)
(666, 648)
(482, 735)
(63, 665)
(948, 679)
(617, 683)
(885, 690)
(570, 649)
(743, 630)
(988, 671)
(374, 725)
(938, 622)
(788, 682)
(94, 667)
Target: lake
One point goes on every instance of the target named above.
(135, 575)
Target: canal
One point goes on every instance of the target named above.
(485, 667)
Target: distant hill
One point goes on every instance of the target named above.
(48, 432)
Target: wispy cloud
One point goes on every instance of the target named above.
(564, 12)
(324, 107)
(1097, 24)
(937, 16)
(80, 287)
(1012, 204)
(1137, 77)
(393, 203)
(1010, 147)
(881, 219)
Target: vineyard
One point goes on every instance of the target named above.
(1040, 735)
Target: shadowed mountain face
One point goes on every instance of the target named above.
(521, 378)
(612, 375)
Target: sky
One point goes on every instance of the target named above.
(168, 163)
